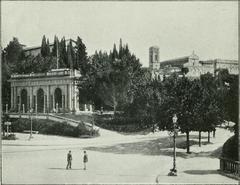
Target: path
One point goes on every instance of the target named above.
(113, 158)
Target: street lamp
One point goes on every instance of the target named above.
(31, 111)
(173, 171)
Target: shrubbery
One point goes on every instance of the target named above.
(230, 148)
(52, 128)
(124, 124)
(9, 137)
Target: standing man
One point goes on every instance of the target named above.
(85, 159)
(69, 160)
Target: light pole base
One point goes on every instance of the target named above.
(30, 137)
(173, 172)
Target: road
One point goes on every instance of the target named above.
(113, 158)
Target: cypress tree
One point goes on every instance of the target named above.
(44, 47)
(63, 54)
(120, 49)
(81, 55)
(55, 46)
(48, 48)
(114, 52)
(69, 56)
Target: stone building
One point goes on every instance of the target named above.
(154, 63)
(45, 92)
(191, 64)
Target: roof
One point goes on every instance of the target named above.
(33, 48)
(219, 61)
(38, 47)
(180, 60)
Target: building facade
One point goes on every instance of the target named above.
(54, 91)
(191, 65)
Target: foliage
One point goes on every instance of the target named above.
(81, 57)
(230, 148)
(108, 77)
(9, 137)
(52, 128)
(125, 124)
(45, 48)
(13, 52)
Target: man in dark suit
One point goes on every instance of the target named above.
(69, 160)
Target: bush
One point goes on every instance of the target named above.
(52, 128)
(230, 148)
(124, 124)
(9, 137)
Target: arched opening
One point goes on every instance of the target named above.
(24, 100)
(40, 100)
(58, 97)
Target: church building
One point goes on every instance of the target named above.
(191, 64)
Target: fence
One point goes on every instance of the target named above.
(230, 166)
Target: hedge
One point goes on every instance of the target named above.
(124, 124)
(230, 148)
(51, 128)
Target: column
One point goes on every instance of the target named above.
(53, 101)
(33, 101)
(63, 102)
(66, 97)
(28, 104)
(44, 103)
(77, 96)
(30, 97)
(36, 104)
(76, 99)
(20, 101)
(12, 89)
(15, 98)
(48, 98)
(70, 97)
(18, 104)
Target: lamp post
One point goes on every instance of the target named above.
(173, 171)
(31, 111)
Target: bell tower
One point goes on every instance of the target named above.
(154, 63)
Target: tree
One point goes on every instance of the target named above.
(13, 55)
(70, 56)
(112, 77)
(210, 101)
(55, 48)
(45, 48)
(6, 88)
(81, 56)
(63, 62)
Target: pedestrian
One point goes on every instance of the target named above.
(85, 159)
(69, 160)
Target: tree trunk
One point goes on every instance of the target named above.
(114, 102)
(199, 139)
(188, 145)
(208, 136)
(3, 129)
(214, 133)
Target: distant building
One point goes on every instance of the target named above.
(36, 50)
(191, 65)
(53, 91)
(154, 63)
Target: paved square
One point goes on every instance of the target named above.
(113, 158)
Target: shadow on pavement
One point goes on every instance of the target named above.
(201, 172)
(161, 146)
(65, 169)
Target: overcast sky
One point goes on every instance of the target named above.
(178, 28)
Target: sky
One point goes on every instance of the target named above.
(177, 28)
